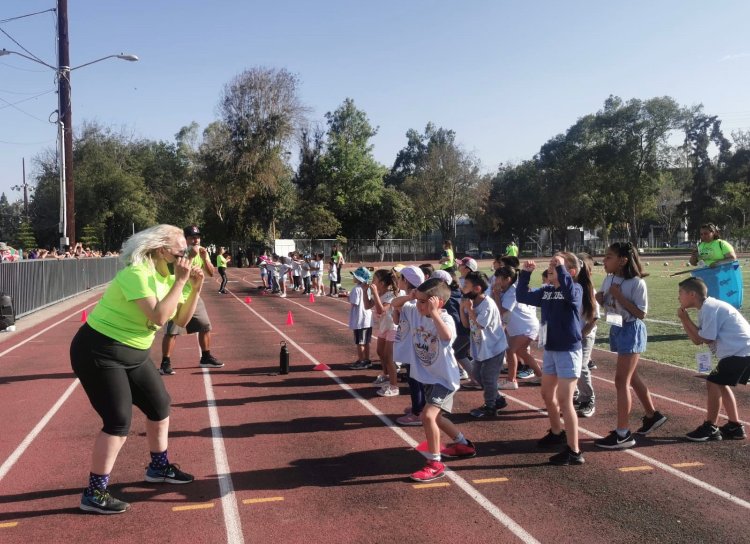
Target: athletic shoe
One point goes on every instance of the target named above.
(507, 385)
(463, 375)
(388, 391)
(484, 412)
(360, 365)
(431, 471)
(500, 402)
(166, 368)
(733, 431)
(707, 431)
(282, 295)
(533, 380)
(380, 380)
(586, 409)
(101, 502)
(209, 361)
(651, 423)
(613, 441)
(170, 474)
(459, 451)
(567, 457)
(407, 410)
(551, 440)
(592, 365)
(409, 421)
(524, 373)
(471, 386)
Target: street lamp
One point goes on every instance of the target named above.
(65, 126)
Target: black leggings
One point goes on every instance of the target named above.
(223, 274)
(117, 377)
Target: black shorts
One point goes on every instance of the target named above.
(362, 336)
(731, 371)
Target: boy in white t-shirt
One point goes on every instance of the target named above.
(727, 334)
(433, 331)
(360, 317)
(480, 315)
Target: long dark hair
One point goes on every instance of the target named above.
(584, 280)
(632, 268)
(507, 272)
(389, 278)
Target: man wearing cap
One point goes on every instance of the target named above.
(199, 322)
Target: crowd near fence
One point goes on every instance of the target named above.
(37, 283)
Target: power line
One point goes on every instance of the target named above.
(21, 46)
(10, 104)
(25, 99)
(22, 92)
(27, 15)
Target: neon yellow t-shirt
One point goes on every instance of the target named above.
(221, 262)
(118, 316)
(451, 259)
(511, 250)
(710, 252)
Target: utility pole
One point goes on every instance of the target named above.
(25, 191)
(66, 117)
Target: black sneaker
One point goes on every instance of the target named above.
(550, 440)
(586, 409)
(567, 457)
(651, 423)
(613, 441)
(170, 474)
(707, 431)
(360, 365)
(484, 412)
(733, 431)
(210, 362)
(101, 502)
(592, 365)
(166, 368)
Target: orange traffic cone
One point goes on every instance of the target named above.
(248, 300)
(321, 366)
(84, 316)
(312, 297)
(289, 319)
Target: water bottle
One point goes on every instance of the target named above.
(284, 359)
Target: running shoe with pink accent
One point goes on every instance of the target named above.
(431, 471)
(459, 451)
(409, 420)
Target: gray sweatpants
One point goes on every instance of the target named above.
(585, 386)
(487, 372)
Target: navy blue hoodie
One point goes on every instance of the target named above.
(561, 309)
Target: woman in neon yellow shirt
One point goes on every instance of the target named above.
(712, 250)
(110, 355)
(222, 259)
(447, 258)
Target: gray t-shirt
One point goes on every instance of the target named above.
(633, 289)
(725, 327)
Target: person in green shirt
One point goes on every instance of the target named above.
(712, 250)
(222, 259)
(110, 356)
(511, 250)
(447, 259)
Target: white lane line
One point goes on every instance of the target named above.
(650, 460)
(480, 499)
(670, 399)
(26, 442)
(226, 486)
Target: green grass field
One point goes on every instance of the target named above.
(666, 343)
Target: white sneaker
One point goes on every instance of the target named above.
(282, 295)
(507, 385)
(388, 391)
(380, 380)
(464, 375)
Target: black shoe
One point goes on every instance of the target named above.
(613, 441)
(171, 474)
(651, 423)
(101, 502)
(733, 431)
(707, 431)
(550, 440)
(210, 361)
(500, 402)
(592, 365)
(166, 368)
(567, 457)
(586, 409)
(484, 412)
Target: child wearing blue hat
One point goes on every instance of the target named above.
(360, 317)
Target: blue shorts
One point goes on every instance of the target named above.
(563, 364)
(630, 338)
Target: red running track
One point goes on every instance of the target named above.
(315, 456)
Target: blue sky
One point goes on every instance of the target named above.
(504, 75)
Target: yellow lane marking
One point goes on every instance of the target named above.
(490, 480)
(262, 499)
(635, 469)
(8, 525)
(200, 506)
(425, 486)
(685, 465)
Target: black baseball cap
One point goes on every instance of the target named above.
(192, 230)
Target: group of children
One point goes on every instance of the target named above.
(439, 327)
(305, 273)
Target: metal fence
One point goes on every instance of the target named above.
(370, 250)
(36, 284)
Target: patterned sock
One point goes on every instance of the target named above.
(97, 481)
(159, 460)
(460, 439)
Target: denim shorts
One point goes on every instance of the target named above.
(630, 338)
(563, 364)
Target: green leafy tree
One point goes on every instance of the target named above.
(90, 237)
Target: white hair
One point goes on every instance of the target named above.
(140, 247)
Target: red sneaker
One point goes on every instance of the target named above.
(460, 451)
(432, 471)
